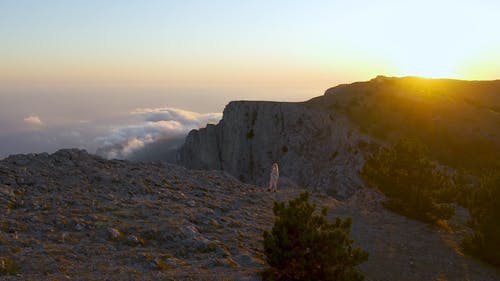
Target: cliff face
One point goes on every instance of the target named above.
(314, 148)
(318, 143)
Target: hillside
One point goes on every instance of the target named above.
(458, 120)
(75, 216)
(321, 144)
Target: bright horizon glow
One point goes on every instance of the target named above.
(445, 41)
(308, 43)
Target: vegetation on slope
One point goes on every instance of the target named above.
(459, 124)
(459, 121)
(414, 186)
(484, 209)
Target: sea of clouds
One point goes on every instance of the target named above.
(161, 128)
(146, 134)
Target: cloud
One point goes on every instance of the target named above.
(156, 125)
(186, 118)
(33, 120)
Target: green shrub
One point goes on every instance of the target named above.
(484, 210)
(304, 246)
(414, 186)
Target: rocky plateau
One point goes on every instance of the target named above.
(75, 216)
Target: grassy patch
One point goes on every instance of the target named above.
(8, 266)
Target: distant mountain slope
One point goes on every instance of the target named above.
(319, 144)
(458, 120)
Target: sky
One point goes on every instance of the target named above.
(74, 73)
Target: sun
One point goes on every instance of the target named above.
(425, 60)
(427, 66)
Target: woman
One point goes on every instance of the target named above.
(273, 182)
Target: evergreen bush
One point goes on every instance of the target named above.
(413, 185)
(303, 245)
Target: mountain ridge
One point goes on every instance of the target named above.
(73, 215)
(458, 120)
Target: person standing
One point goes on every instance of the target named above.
(273, 181)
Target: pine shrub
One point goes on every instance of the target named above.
(484, 241)
(303, 245)
(413, 185)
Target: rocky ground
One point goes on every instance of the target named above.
(405, 249)
(74, 216)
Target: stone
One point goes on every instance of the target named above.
(114, 234)
(133, 240)
(191, 203)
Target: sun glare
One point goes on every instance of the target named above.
(421, 40)
(423, 58)
(426, 65)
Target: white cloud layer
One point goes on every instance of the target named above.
(186, 118)
(33, 120)
(156, 124)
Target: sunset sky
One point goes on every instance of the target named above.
(72, 73)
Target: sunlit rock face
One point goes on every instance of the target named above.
(318, 144)
(314, 147)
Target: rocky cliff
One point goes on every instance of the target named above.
(319, 144)
(314, 147)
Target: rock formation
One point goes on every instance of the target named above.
(319, 144)
(315, 148)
